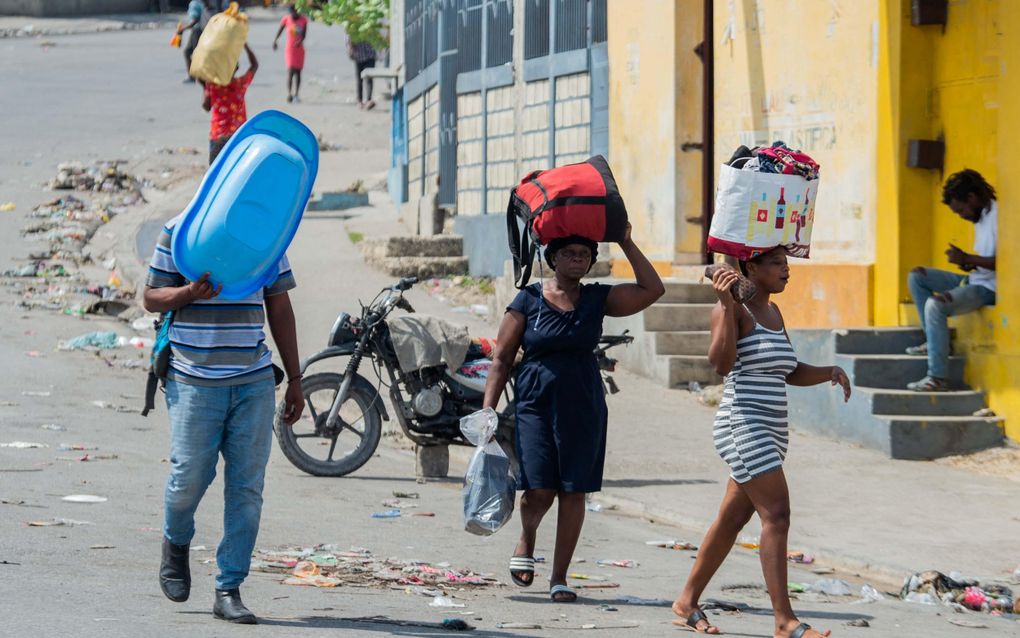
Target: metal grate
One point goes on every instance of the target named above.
(413, 38)
(599, 22)
(571, 25)
(499, 15)
(536, 29)
(469, 35)
(431, 26)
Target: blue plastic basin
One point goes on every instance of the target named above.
(249, 205)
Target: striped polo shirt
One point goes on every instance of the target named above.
(216, 342)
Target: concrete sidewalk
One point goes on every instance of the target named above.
(30, 26)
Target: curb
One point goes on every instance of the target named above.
(104, 27)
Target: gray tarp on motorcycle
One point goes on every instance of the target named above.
(422, 341)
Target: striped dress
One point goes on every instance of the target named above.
(750, 428)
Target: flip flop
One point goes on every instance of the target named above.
(522, 565)
(800, 630)
(691, 622)
(562, 589)
(245, 213)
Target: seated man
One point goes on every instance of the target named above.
(939, 294)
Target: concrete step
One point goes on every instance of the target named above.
(894, 371)
(677, 292)
(420, 267)
(689, 343)
(413, 246)
(678, 317)
(878, 340)
(904, 402)
(682, 369)
(929, 437)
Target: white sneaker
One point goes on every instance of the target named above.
(929, 384)
(918, 351)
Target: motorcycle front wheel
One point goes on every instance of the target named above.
(315, 448)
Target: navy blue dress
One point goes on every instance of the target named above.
(561, 403)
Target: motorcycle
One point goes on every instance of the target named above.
(427, 403)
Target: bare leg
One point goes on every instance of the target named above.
(569, 521)
(771, 498)
(297, 82)
(534, 505)
(734, 513)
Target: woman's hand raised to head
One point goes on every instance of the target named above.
(626, 235)
(629, 299)
(723, 281)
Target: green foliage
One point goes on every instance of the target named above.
(356, 238)
(364, 20)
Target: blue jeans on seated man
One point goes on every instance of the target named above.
(935, 313)
(237, 422)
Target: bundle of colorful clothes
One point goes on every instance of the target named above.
(779, 159)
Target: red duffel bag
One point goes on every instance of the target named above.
(577, 199)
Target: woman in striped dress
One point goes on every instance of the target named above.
(751, 348)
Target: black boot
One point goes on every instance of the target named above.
(175, 572)
(229, 607)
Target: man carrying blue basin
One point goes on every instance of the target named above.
(220, 393)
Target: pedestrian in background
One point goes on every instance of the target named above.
(199, 12)
(296, 26)
(220, 393)
(226, 106)
(363, 56)
(560, 400)
(939, 294)
(751, 348)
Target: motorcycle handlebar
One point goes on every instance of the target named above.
(406, 283)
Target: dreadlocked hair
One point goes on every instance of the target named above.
(960, 185)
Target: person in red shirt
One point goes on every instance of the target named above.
(226, 106)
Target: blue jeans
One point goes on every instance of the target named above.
(935, 314)
(237, 422)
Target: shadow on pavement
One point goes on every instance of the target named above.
(388, 626)
(649, 482)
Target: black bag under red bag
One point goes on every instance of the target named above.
(577, 199)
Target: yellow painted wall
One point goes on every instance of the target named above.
(655, 106)
(956, 85)
(1000, 370)
(827, 295)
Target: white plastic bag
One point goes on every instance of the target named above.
(756, 212)
(490, 488)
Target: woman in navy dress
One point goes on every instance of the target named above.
(560, 400)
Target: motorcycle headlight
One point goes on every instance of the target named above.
(342, 331)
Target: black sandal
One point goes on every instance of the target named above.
(800, 630)
(691, 622)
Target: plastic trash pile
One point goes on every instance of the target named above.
(330, 566)
(956, 591)
(101, 177)
(63, 228)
